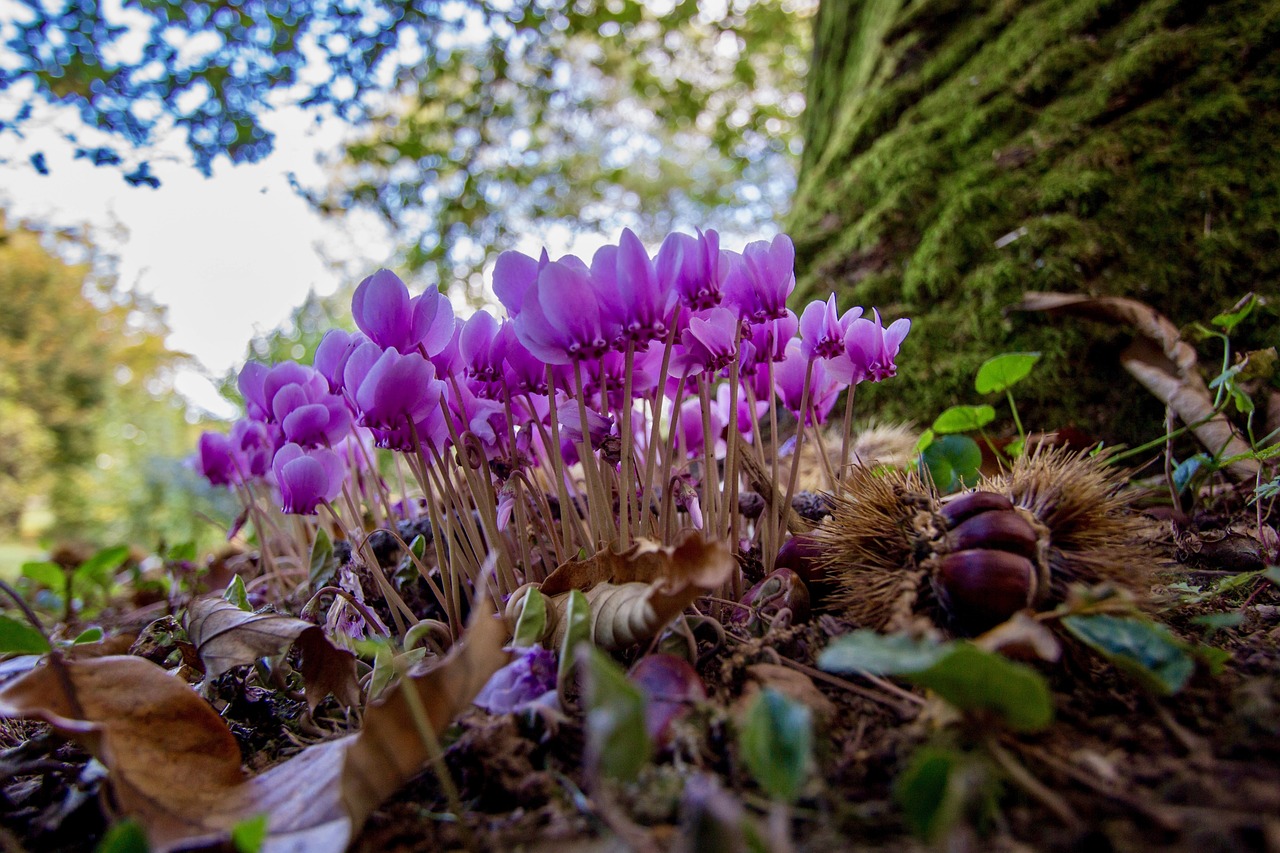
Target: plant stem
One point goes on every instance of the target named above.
(795, 454)
(846, 430)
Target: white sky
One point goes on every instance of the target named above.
(228, 256)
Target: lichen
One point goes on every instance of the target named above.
(1127, 148)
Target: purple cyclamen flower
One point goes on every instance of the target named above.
(823, 387)
(598, 426)
(391, 390)
(250, 380)
(822, 328)
(513, 274)
(709, 343)
(255, 445)
(690, 267)
(637, 302)
(383, 310)
(306, 479)
(559, 319)
(331, 355)
(519, 684)
(214, 459)
(740, 415)
(759, 281)
(303, 406)
(522, 371)
(872, 348)
(481, 346)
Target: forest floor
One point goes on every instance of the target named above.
(1120, 767)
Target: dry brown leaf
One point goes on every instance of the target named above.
(175, 767)
(790, 683)
(1162, 361)
(635, 593)
(226, 636)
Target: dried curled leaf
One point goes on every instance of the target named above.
(1162, 361)
(175, 767)
(633, 594)
(226, 636)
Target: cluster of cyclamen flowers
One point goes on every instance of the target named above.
(627, 365)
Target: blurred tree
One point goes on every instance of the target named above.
(959, 154)
(479, 121)
(87, 413)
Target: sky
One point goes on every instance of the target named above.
(228, 256)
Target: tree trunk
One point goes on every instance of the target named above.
(960, 153)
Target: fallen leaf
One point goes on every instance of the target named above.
(226, 636)
(790, 683)
(175, 767)
(635, 593)
(1162, 361)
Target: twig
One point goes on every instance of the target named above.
(1025, 780)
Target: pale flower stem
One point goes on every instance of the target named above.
(562, 491)
(764, 529)
(555, 463)
(826, 458)
(668, 457)
(730, 503)
(626, 496)
(775, 514)
(795, 455)
(654, 433)
(845, 432)
(590, 472)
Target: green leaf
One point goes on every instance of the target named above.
(45, 574)
(618, 744)
(776, 744)
(577, 616)
(961, 673)
(124, 837)
(418, 547)
(1186, 470)
(19, 637)
(1228, 320)
(322, 564)
(926, 439)
(532, 623)
(101, 566)
(237, 594)
(1142, 648)
(976, 680)
(953, 461)
(88, 635)
(248, 835)
(1004, 371)
(963, 419)
(930, 803)
(878, 654)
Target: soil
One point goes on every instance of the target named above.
(1119, 769)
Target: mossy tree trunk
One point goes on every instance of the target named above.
(962, 152)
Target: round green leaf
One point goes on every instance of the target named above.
(963, 419)
(776, 744)
(878, 654)
(1004, 371)
(1144, 649)
(19, 637)
(953, 461)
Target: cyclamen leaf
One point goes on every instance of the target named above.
(124, 837)
(953, 461)
(618, 743)
(1004, 371)
(963, 419)
(237, 594)
(533, 620)
(45, 574)
(929, 801)
(18, 637)
(88, 635)
(878, 654)
(1228, 320)
(247, 836)
(101, 565)
(776, 744)
(576, 621)
(1143, 649)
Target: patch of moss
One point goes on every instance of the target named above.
(1107, 146)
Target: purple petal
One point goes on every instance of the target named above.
(513, 274)
(381, 309)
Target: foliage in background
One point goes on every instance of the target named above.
(87, 413)
(478, 122)
(960, 154)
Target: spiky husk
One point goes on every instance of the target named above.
(1094, 537)
(869, 546)
(885, 526)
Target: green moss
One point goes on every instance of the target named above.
(1118, 147)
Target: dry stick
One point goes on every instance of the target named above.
(1166, 818)
(650, 454)
(795, 454)
(845, 431)
(571, 533)
(903, 709)
(1025, 780)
